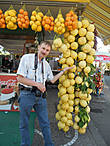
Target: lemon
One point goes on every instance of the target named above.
(37, 23)
(38, 17)
(58, 24)
(40, 14)
(6, 14)
(39, 28)
(34, 13)
(13, 19)
(33, 18)
(31, 22)
(34, 26)
(8, 18)
(10, 24)
(61, 19)
(11, 13)
(57, 116)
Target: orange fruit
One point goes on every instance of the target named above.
(68, 15)
(19, 15)
(0, 23)
(26, 17)
(3, 26)
(27, 26)
(19, 23)
(2, 20)
(71, 12)
(51, 28)
(1, 11)
(52, 23)
(48, 21)
(27, 22)
(66, 23)
(51, 18)
(47, 27)
(22, 20)
(18, 19)
(21, 11)
(70, 27)
(24, 25)
(25, 13)
(43, 22)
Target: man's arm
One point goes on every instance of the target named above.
(56, 77)
(29, 82)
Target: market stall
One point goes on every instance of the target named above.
(73, 39)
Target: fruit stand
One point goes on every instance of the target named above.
(72, 37)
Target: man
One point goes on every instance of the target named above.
(33, 80)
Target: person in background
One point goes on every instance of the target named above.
(33, 91)
(5, 64)
(16, 63)
(9, 101)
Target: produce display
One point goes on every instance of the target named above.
(48, 22)
(98, 80)
(36, 20)
(2, 20)
(76, 85)
(11, 18)
(23, 18)
(71, 20)
(59, 26)
(77, 48)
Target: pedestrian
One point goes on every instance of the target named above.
(16, 63)
(33, 71)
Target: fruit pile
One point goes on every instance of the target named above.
(11, 18)
(2, 19)
(71, 20)
(48, 22)
(76, 85)
(23, 19)
(36, 20)
(59, 26)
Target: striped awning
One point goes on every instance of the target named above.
(98, 11)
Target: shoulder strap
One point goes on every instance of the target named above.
(35, 64)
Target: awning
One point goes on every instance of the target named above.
(102, 58)
(98, 11)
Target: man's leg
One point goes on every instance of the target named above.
(42, 113)
(25, 109)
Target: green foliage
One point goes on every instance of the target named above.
(83, 115)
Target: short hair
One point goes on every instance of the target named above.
(17, 56)
(46, 43)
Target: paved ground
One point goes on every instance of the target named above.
(97, 132)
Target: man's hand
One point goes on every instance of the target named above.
(41, 87)
(67, 68)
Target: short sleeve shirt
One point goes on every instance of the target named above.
(26, 68)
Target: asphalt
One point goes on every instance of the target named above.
(96, 132)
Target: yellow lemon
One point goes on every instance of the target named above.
(34, 13)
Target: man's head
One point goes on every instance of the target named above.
(44, 49)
